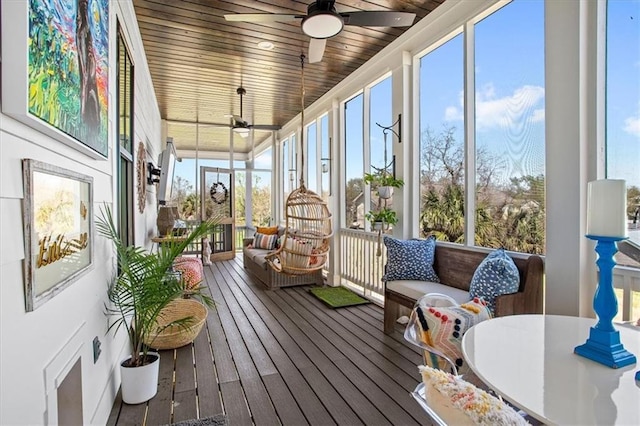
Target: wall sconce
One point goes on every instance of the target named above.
(325, 164)
(292, 174)
(153, 174)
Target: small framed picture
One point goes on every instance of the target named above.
(58, 229)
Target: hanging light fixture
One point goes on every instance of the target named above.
(242, 131)
(322, 23)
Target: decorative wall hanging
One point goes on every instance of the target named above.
(141, 168)
(219, 193)
(55, 70)
(58, 229)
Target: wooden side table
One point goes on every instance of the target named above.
(168, 239)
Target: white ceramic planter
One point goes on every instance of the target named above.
(140, 384)
(378, 226)
(385, 192)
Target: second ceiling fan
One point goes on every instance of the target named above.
(322, 21)
(242, 126)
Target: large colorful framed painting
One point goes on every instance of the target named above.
(55, 69)
(58, 229)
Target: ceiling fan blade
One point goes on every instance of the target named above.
(264, 127)
(316, 49)
(262, 17)
(379, 18)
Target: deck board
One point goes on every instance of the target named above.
(209, 400)
(282, 357)
(304, 395)
(160, 407)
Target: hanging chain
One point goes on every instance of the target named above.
(302, 124)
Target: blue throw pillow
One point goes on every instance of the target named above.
(496, 275)
(410, 260)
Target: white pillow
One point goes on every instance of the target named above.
(296, 253)
(458, 402)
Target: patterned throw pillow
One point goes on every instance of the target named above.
(296, 253)
(265, 241)
(267, 230)
(443, 327)
(458, 402)
(410, 260)
(495, 276)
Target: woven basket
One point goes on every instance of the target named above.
(176, 336)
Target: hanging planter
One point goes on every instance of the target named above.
(385, 192)
(384, 217)
(378, 226)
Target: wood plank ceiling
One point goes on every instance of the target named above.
(198, 60)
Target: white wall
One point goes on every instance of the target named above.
(33, 345)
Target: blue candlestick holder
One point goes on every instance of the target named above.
(603, 344)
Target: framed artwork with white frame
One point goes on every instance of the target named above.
(58, 229)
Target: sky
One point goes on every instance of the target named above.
(510, 95)
(623, 91)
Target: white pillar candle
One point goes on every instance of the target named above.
(607, 208)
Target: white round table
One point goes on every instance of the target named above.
(529, 360)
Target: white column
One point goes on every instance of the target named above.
(572, 155)
(405, 203)
(336, 199)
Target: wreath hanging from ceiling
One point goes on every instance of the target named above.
(219, 193)
(142, 177)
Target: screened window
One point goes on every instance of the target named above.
(441, 179)
(509, 123)
(311, 157)
(623, 116)
(285, 169)
(125, 141)
(325, 160)
(505, 133)
(354, 169)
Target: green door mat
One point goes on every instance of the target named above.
(338, 297)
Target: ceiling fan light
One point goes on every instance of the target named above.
(241, 130)
(322, 24)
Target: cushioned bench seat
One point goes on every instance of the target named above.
(416, 289)
(455, 264)
(254, 261)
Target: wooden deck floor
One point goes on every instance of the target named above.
(282, 357)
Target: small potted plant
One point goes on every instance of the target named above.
(381, 219)
(383, 182)
(138, 293)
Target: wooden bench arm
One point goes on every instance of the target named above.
(528, 299)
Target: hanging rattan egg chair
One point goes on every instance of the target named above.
(305, 243)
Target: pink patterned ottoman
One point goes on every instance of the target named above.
(191, 269)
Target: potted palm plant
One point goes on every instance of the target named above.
(383, 182)
(138, 293)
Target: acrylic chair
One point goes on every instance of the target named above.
(435, 358)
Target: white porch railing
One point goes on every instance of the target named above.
(196, 246)
(362, 270)
(626, 282)
(360, 266)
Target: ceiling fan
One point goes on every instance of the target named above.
(242, 126)
(322, 21)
